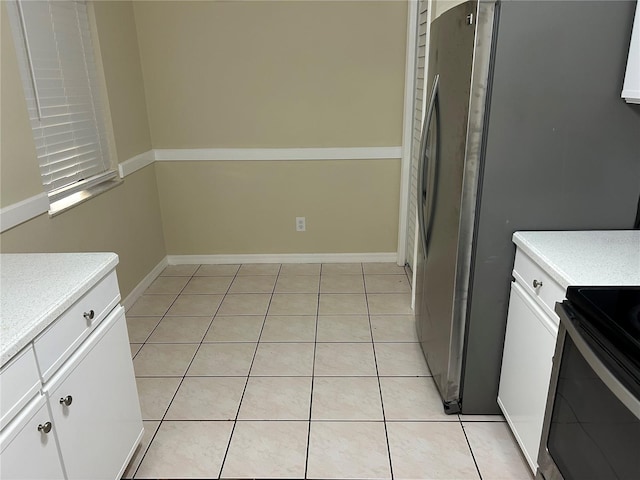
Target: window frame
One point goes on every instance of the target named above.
(77, 191)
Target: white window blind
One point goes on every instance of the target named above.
(59, 73)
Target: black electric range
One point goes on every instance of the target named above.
(611, 314)
(591, 428)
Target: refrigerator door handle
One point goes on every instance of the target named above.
(420, 186)
(425, 166)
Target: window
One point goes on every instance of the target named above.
(59, 73)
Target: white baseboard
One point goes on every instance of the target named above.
(283, 258)
(20, 212)
(139, 289)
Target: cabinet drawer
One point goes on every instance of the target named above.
(526, 271)
(64, 335)
(19, 382)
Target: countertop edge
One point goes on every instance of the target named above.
(559, 275)
(37, 326)
(584, 257)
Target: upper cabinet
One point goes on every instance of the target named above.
(631, 87)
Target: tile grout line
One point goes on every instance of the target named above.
(162, 317)
(313, 375)
(375, 360)
(179, 384)
(464, 432)
(246, 383)
(259, 341)
(186, 370)
(217, 309)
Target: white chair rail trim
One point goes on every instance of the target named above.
(20, 212)
(136, 163)
(256, 154)
(271, 154)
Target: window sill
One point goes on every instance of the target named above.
(64, 204)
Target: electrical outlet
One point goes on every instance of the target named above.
(301, 224)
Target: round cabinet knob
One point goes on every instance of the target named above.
(537, 284)
(46, 428)
(66, 401)
(89, 315)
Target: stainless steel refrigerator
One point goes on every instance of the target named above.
(525, 130)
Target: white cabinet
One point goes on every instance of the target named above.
(532, 327)
(526, 369)
(546, 264)
(19, 383)
(70, 407)
(28, 446)
(94, 404)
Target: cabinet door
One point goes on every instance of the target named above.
(29, 453)
(101, 425)
(526, 370)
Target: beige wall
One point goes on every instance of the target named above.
(235, 74)
(273, 73)
(125, 88)
(19, 173)
(126, 219)
(250, 207)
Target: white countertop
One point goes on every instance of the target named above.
(610, 257)
(36, 288)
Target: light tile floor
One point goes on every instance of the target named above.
(297, 371)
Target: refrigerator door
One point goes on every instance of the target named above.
(450, 62)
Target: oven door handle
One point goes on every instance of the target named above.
(616, 387)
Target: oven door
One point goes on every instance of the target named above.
(591, 428)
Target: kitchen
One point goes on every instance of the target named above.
(188, 199)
